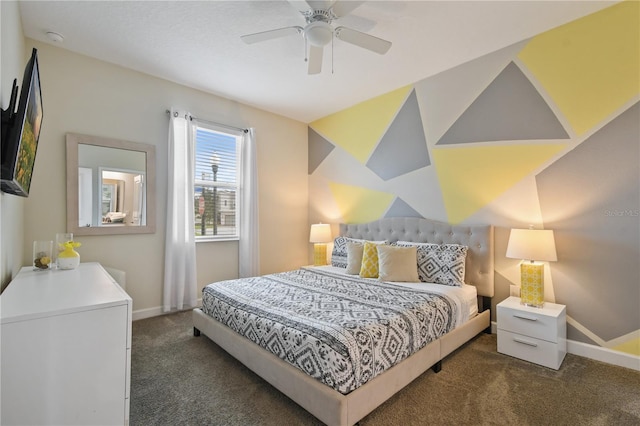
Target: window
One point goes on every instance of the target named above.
(216, 184)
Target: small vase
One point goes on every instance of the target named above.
(68, 259)
(58, 248)
(42, 252)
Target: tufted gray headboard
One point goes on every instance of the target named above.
(479, 267)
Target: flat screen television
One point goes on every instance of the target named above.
(21, 131)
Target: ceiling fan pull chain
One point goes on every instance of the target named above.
(332, 37)
(306, 58)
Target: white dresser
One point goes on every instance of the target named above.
(536, 335)
(66, 348)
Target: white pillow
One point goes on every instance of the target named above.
(398, 264)
(354, 257)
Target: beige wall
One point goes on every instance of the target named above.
(12, 61)
(87, 96)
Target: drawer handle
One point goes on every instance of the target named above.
(524, 342)
(525, 318)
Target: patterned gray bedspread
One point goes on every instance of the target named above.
(339, 329)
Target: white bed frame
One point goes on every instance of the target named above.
(329, 405)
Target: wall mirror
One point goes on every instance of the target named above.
(110, 186)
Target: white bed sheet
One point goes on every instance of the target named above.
(466, 296)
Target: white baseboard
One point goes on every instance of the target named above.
(147, 313)
(597, 353)
(153, 312)
(607, 355)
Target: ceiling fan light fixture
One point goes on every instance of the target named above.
(318, 33)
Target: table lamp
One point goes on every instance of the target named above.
(320, 235)
(532, 246)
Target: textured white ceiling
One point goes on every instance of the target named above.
(197, 43)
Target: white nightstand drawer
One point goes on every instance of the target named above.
(548, 322)
(530, 349)
(529, 323)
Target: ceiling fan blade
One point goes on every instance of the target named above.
(320, 4)
(343, 7)
(271, 34)
(315, 59)
(363, 40)
(301, 5)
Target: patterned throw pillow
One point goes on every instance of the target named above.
(339, 253)
(440, 263)
(369, 268)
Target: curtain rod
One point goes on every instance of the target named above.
(191, 117)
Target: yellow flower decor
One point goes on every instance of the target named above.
(68, 249)
(68, 258)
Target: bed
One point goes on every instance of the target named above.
(114, 217)
(349, 404)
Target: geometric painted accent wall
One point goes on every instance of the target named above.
(589, 67)
(319, 148)
(400, 208)
(360, 205)
(406, 131)
(359, 129)
(543, 132)
(474, 176)
(591, 196)
(510, 108)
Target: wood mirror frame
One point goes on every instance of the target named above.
(73, 140)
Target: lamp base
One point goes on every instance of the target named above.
(319, 254)
(532, 284)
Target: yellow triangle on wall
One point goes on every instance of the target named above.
(631, 347)
(360, 205)
(472, 177)
(358, 129)
(590, 67)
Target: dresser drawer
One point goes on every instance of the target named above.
(528, 323)
(531, 349)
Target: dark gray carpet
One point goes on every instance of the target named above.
(178, 379)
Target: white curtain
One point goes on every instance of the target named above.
(249, 247)
(180, 246)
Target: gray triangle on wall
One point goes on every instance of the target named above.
(319, 149)
(403, 148)
(400, 208)
(510, 108)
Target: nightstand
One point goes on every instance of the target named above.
(537, 335)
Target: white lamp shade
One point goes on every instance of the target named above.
(320, 233)
(532, 244)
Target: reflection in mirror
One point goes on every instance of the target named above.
(120, 178)
(122, 197)
(114, 184)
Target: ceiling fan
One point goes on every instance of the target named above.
(318, 31)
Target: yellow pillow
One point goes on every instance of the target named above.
(369, 267)
(398, 264)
